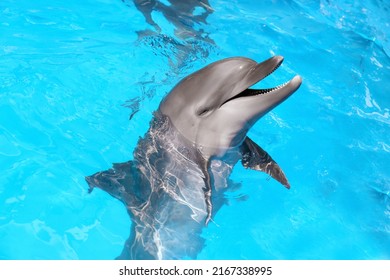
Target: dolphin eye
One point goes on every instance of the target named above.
(202, 112)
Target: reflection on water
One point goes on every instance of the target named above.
(189, 41)
(184, 15)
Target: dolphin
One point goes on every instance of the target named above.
(174, 186)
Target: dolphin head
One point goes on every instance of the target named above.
(214, 107)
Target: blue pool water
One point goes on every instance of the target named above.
(79, 81)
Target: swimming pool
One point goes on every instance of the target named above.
(79, 84)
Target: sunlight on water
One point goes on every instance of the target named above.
(79, 83)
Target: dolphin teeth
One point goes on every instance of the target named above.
(252, 92)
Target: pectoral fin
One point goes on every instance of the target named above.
(120, 181)
(256, 158)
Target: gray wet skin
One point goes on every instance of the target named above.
(207, 108)
(174, 185)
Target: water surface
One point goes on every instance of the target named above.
(79, 83)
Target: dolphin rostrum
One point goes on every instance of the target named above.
(174, 185)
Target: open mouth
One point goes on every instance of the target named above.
(253, 92)
(265, 69)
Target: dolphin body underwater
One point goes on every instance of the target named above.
(174, 185)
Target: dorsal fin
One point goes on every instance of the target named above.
(256, 158)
